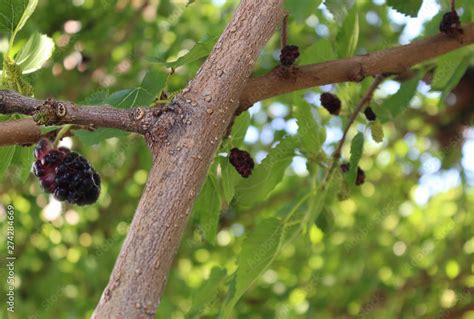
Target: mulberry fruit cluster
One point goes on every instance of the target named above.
(289, 54)
(242, 161)
(331, 103)
(360, 179)
(451, 24)
(66, 174)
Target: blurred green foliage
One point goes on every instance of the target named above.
(399, 246)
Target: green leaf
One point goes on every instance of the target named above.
(339, 9)
(258, 251)
(455, 79)
(23, 159)
(47, 129)
(311, 136)
(6, 156)
(397, 103)
(266, 175)
(357, 148)
(239, 129)
(229, 179)
(409, 8)
(207, 208)
(13, 16)
(30, 8)
(99, 135)
(446, 67)
(143, 95)
(11, 12)
(348, 36)
(96, 98)
(34, 53)
(319, 51)
(208, 291)
(301, 9)
(200, 50)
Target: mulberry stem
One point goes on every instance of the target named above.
(63, 131)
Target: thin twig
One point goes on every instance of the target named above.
(363, 102)
(284, 32)
(50, 112)
(62, 133)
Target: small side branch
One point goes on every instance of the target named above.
(50, 112)
(392, 60)
(360, 106)
(23, 131)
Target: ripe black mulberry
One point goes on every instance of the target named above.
(360, 179)
(451, 24)
(66, 174)
(369, 114)
(242, 161)
(289, 54)
(331, 103)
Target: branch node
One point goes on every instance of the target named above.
(138, 113)
(359, 74)
(61, 109)
(287, 72)
(46, 114)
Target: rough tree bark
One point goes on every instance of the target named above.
(184, 136)
(183, 141)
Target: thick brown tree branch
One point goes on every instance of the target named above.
(392, 60)
(49, 112)
(23, 131)
(184, 140)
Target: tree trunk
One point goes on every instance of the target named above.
(184, 140)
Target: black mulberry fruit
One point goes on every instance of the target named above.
(289, 54)
(242, 161)
(66, 174)
(331, 103)
(360, 179)
(451, 25)
(345, 167)
(369, 114)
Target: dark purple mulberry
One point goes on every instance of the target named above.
(369, 114)
(289, 54)
(242, 161)
(451, 25)
(345, 167)
(360, 179)
(331, 103)
(66, 174)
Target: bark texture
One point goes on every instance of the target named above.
(22, 131)
(184, 139)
